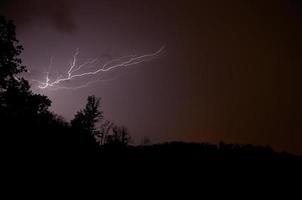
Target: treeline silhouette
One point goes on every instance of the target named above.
(29, 130)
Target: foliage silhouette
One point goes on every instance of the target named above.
(87, 118)
(84, 125)
(20, 109)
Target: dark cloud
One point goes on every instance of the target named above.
(56, 13)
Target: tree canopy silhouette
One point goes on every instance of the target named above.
(84, 124)
(20, 109)
(15, 93)
(87, 118)
(10, 63)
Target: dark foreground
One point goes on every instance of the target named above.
(178, 155)
(169, 167)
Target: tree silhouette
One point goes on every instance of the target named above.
(87, 118)
(120, 136)
(20, 109)
(104, 131)
(10, 63)
(84, 124)
(15, 94)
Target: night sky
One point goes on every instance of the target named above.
(230, 70)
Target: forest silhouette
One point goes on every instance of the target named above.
(30, 131)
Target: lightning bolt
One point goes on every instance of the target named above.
(55, 88)
(74, 69)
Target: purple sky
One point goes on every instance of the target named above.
(231, 70)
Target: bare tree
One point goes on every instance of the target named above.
(120, 136)
(104, 131)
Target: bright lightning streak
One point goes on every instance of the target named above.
(55, 88)
(108, 66)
